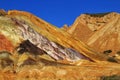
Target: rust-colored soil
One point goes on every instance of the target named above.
(5, 44)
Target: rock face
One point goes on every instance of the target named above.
(100, 31)
(65, 27)
(55, 50)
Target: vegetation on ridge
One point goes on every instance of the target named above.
(97, 14)
(113, 77)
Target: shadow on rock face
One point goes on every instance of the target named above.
(27, 46)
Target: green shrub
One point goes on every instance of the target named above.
(107, 52)
(113, 77)
(98, 14)
(118, 52)
(111, 59)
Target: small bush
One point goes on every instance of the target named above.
(98, 14)
(113, 77)
(111, 59)
(107, 52)
(118, 52)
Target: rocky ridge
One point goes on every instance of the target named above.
(100, 31)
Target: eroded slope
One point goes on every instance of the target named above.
(100, 31)
(30, 46)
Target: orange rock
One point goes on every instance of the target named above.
(99, 31)
(5, 44)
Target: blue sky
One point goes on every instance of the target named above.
(60, 12)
